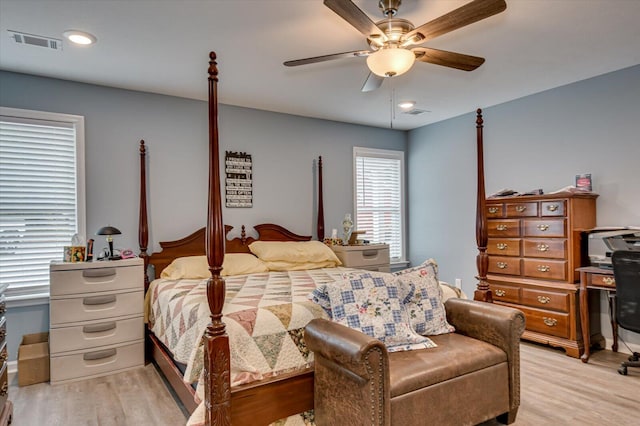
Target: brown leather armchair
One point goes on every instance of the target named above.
(472, 376)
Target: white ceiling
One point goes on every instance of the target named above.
(162, 46)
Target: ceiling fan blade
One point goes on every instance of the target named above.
(372, 83)
(447, 59)
(357, 18)
(472, 12)
(354, 53)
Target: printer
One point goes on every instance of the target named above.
(603, 243)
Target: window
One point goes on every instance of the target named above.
(379, 198)
(41, 195)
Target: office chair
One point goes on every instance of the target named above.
(626, 270)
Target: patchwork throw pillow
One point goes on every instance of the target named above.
(371, 304)
(421, 296)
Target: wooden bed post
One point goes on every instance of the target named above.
(143, 228)
(483, 292)
(320, 226)
(217, 366)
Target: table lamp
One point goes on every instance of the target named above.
(109, 231)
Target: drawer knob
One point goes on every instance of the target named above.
(4, 355)
(543, 227)
(5, 389)
(3, 333)
(543, 268)
(544, 299)
(520, 208)
(502, 265)
(493, 210)
(500, 293)
(608, 280)
(543, 247)
(501, 227)
(501, 246)
(551, 322)
(552, 207)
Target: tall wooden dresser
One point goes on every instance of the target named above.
(6, 408)
(534, 250)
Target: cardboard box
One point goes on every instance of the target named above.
(33, 359)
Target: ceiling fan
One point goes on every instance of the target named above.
(392, 40)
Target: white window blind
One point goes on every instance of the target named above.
(379, 194)
(41, 195)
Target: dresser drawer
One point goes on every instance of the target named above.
(504, 265)
(4, 384)
(546, 299)
(495, 210)
(547, 322)
(544, 268)
(503, 228)
(505, 293)
(544, 228)
(96, 362)
(94, 334)
(3, 330)
(552, 248)
(603, 280)
(3, 304)
(504, 246)
(77, 281)
(552, 208)
(95, 307)
(522, 209)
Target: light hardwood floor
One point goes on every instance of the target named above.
(556, 390)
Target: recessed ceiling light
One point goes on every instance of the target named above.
(80, 37)
(406, 104)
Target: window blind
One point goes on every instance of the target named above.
(38, 200)
(378, 193)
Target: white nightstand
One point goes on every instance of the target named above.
(372, 257)
(96, 318)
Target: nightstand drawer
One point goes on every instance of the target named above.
(94, 334)
(96, 362)
(109, 277)
(375, 255)
(95, 307)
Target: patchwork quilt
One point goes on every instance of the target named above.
(264, 314)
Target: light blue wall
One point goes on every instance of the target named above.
(284, 149)
(540, 141)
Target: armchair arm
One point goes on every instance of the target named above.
(498, 325)
(350, 367)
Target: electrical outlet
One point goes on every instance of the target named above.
(458, 283)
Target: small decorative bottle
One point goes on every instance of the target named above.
(347, 226)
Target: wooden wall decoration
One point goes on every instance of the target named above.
(238, 182)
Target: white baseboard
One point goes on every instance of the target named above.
(622, 347)
(13, 367)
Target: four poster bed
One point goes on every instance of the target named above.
(271, 397)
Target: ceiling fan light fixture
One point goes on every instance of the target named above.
(391, 61)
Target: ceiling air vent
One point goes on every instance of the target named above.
(36, 40)
(415, 111)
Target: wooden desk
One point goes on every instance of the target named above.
(598, 279)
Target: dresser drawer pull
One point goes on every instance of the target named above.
(106, 353)
(543, 247)
(369, 253)
(98, 273)
(543, 268)
(5, 389)
(501, 246)
(552, 207)
(544, 299)
(3, 333)
(3, 307)
(543, 227)
(501, 227)
(97, 328)
(4, 355)
(608, 280)
(500, 293)
(493, 210)
(551, 322)
(502, 265)
(521, 208)
(99, 300)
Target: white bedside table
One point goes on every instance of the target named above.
(372, 257)
(96, 318)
